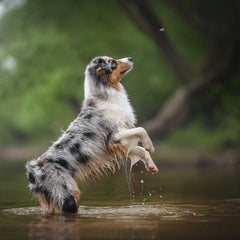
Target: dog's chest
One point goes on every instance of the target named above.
(123, 116)
(119, 112)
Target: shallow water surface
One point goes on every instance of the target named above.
(174, 204)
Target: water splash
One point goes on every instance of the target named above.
(128, 172)
(151, 195)
(166, 211)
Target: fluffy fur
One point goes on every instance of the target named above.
(95, 141)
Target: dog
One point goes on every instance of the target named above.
(101, 137)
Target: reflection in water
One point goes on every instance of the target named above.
(71, 227)
(55, 227)
(180, 204)
(128, 222)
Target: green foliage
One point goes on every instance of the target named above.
(52, 42)
(197, 134)
(190, 43)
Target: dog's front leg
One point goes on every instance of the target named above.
(130, 138)
(141, 153)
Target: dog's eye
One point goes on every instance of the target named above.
(100, 61)
(114, 64)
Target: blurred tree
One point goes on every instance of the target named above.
(185, 74)
(221, 23)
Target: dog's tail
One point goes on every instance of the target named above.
(55, 188)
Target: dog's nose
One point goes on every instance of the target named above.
(130, 59)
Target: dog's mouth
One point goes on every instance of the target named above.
(125, 71)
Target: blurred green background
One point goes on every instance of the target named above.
(185, 88)
(184, 85)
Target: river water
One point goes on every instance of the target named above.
(176, 203)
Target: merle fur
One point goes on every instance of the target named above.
(73, 150)
(80, 150)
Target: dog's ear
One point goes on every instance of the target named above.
(104, 71)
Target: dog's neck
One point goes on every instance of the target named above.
(91, 90)
(114, 103)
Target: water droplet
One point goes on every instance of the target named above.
(143, 203)
(160, 196)
(144, 199)
(142, 181)
(150, 194)
(141, 171)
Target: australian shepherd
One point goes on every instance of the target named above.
(101, 137)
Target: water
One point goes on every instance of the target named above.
(182, 203)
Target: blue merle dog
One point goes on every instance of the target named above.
(100, 138)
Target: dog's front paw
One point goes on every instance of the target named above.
(150, 165)
(147, 144)
(152, 168)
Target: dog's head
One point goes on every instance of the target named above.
(106, 71)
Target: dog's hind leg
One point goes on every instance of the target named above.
(58, 198)
(71, 202)
(56, 188)
(44, 203)
(141, 153)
